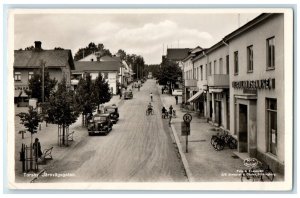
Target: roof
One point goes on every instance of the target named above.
(110, 58)
(177, 54)
(97, 66)
(249, 25)
(52, 58)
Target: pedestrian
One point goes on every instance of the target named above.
(170, 110)
(120, 94)
(176, 98)
(138, 87)
(151, 96)
(163, 112)
(162, 90)
(37, 148)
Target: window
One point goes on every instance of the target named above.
(17, 76)
(236, 62)
(30, 75)
(197, 73)
(271, 53)
(221, 66)
(206, 72)
(250, 58)
(215, 67)
(272, 125)
(201, 72)
(209, 69)
(227, 64)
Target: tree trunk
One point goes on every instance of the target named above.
(63, 140)
(31, 154)
(82, 123)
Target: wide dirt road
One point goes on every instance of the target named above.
(138, 149)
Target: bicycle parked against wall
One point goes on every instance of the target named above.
(219, 141)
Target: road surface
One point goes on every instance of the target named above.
(138, 149)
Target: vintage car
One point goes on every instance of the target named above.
(128, 95)
(100, 124)
(113, 113)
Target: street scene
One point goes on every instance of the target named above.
(205, 109)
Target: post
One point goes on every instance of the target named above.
(43, 83)
(186, 144)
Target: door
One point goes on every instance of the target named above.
(243, 128)
(218, 118)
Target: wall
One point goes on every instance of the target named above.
(257, 37)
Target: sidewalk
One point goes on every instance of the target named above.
(202, 162)
(48, 137)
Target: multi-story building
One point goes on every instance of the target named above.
(58, 63)
(256, 59)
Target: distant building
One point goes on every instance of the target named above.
(59, 64)
(125, 73)
(177, 55)
(108, 69)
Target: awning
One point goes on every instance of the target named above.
(196, 96)
(20, 93)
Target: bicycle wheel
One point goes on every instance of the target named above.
(268, 173)
(232, 143)
(213, 139)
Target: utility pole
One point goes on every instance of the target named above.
(43, 81)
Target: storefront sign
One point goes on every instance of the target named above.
(250, 162)
(255, 84)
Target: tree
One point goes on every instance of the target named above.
(62, 108)
(91, 48)
(122, 54)
(102, 91)
(169, 72)
(30, 121)
(86, 98)
(35, 85)
(137, 64)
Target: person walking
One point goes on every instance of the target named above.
(163, 112)
(176, 98)
(162, 90)
(37, 148)
(151, 96)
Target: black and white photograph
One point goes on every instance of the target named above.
(150, 99)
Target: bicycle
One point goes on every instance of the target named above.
(149, 112)
(220, 140)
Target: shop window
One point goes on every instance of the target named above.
(272, 125)
(250, 58)
(30, 75)
(236, 62)
(271, 53)
(17, 76)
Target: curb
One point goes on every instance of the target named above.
(182, 155)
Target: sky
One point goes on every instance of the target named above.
(145, 34)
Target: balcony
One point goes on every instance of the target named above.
(218, 80)
(190, 83)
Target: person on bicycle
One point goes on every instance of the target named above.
(151, 96)
(149, 107)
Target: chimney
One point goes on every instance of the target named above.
(38, 45)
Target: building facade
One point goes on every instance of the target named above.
(58, 63)
(256, 52)
(108, 69)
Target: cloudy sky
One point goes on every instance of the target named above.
(139, 33)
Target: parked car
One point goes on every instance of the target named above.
(113, 113)
(128, 95)
(100, 124)
(177, 92)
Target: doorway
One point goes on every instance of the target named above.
(218, 118)
(243, 128)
